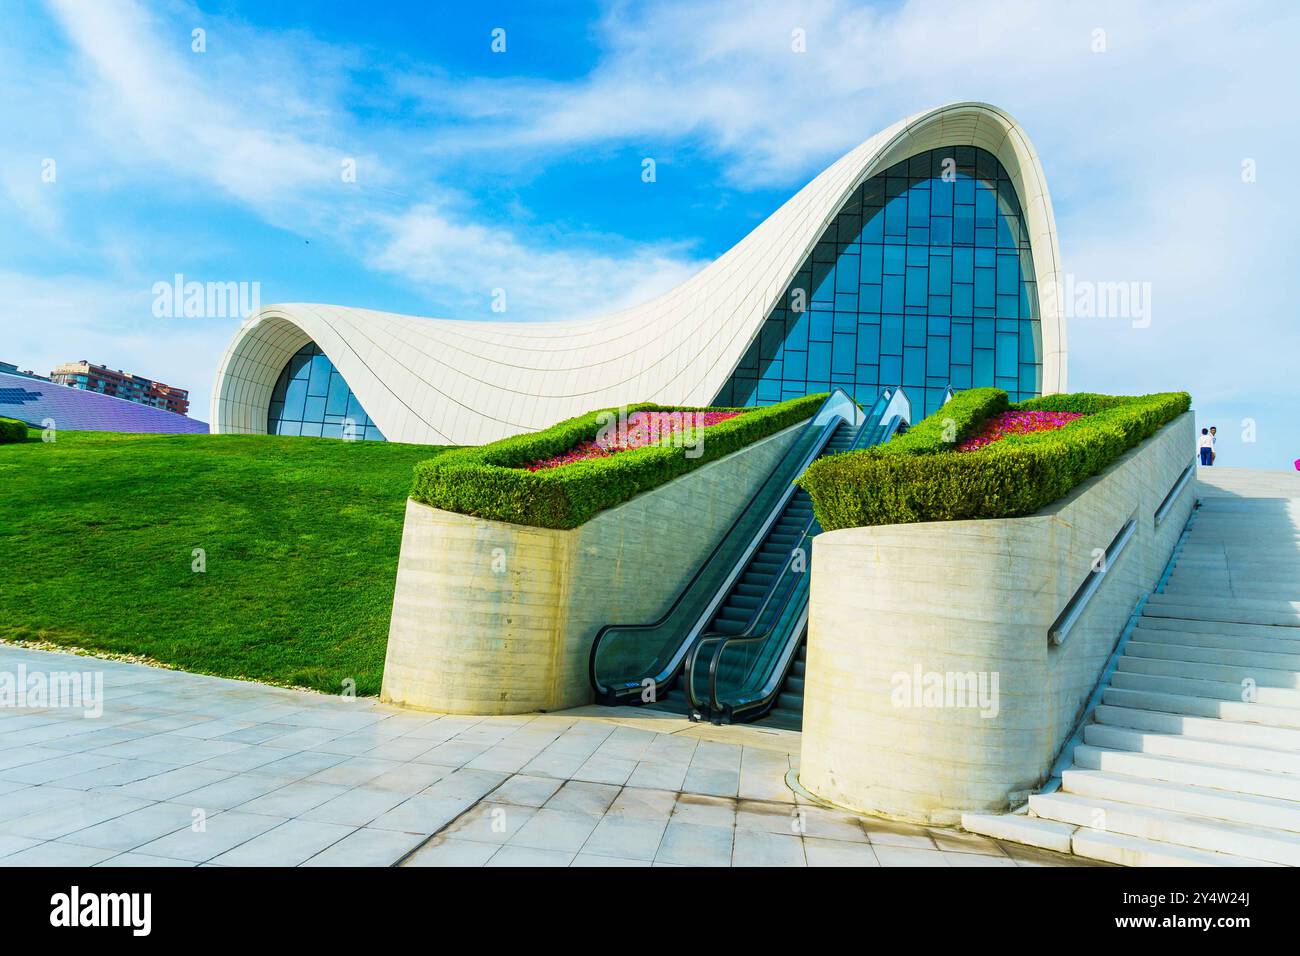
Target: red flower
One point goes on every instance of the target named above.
(641, 429)
(1016, 423)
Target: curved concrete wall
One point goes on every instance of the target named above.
(438, 381)
(894, 603)
(497, 618)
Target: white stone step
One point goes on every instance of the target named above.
(1215, 836)
(1227, 710)
(1223, 628)
(1244, 808)
(1265, 660)
(1225, 613)
(1214, 690)
(1191, 772)
(1212, 580)
(1184, 747)
(1204, 728)
(1124, 850)
(1218, 602)
(1235, 563)
(1020, 828)
(1184, 589)
(1222, 673)
(1146, 634)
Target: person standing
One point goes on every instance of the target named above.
(1214, 444)
(1206, 446)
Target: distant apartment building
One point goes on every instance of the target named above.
(119, 384)
(11, 369)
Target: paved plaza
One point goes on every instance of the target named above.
(185, 770)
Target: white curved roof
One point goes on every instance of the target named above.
(441, 381)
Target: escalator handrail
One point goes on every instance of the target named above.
(869, 425)
(837, 398)
(724, 641)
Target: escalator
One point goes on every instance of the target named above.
(752, 573)
(757, 672)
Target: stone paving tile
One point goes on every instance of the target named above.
(525, 790)
(709, 811)
(626, 837)
(550, 829)
(135, 828)
(367, 847)
(638, 803)
(760, 848)
(410, 778)
(422, 814)
(65, 818)
(583, 797)
(140, 859)
(291, 843)
(658, 776)
(221, 832)
(54, 853)
(908, 856)
(450, 851)
(529, 856)
(292, 778)
(611, 770)
(491, 823)
(694, 844)
(356, 807)
(978, 859)
(294, 799)
(821, 852)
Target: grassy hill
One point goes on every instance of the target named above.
(301, 535)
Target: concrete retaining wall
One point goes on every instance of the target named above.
(893, 602)
(497, 618)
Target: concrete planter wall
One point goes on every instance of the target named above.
(952, 600)
(497, 618)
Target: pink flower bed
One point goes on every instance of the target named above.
(1016, 423)
(639, 430)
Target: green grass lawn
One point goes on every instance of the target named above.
(97, 533)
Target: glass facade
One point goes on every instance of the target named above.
(311, 398)
(924, 279)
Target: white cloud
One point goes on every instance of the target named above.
(470, 260)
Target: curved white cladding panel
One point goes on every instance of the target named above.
(441, 381)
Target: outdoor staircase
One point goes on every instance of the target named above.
(1192, 757)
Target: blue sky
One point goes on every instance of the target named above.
(522, 170)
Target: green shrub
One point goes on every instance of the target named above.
(1017, 475)
(490, 482)
(955, 422)
(12, 431)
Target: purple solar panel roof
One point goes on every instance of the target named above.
(73, 409)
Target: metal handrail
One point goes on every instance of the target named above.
(832, 408)
(1171, 499)
(1075, 607)
(867, 435)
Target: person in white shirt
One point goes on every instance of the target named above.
(1206, 446)
(1214, 444)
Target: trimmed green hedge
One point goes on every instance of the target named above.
(955, 422)
(12, 431)
(490, 482)
(1015, 476)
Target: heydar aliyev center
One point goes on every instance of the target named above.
(925, 257)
